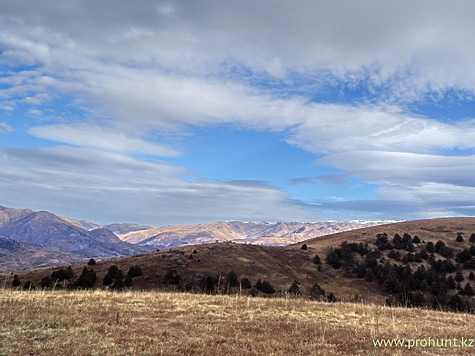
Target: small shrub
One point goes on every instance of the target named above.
(459, 238)
(304, 247)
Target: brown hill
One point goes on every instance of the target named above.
(445, 229)
(282, 265)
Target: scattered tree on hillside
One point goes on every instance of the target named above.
(16, 281)
(62, 274)
(92, 262)
(113, 274)
(264, 287)
(86, 279)
(317, 292)
(46, 282)
(295, 288)
(245, 283)
(208, 285)
(135, 271)
(458, 304)
(317, 260)
(430, 248)
(233, 279)
(451, 283)
(467, 290)
(171, 277)
(333, 259)
(459, 237)
(304, 247)
(28, 286)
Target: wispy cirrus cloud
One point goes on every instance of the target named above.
(92, 136)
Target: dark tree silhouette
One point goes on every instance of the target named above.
(16, 281)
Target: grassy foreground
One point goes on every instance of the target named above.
(157, 323)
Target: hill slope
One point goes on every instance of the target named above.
(371, 263)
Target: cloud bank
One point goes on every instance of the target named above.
(106, 93)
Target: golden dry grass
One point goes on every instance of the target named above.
(158, 323)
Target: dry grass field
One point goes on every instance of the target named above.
(159, 323)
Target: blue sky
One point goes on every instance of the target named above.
(186, 112)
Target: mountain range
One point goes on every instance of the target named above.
(258, 233)
(32, 239)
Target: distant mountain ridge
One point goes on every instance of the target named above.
(44, 233)
(16, 256)
(274, 234)
(40, 235)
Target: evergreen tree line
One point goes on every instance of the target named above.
(404, 285)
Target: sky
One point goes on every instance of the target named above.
(182, 112)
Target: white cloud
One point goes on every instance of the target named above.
(148, 68)
(92, 136)
(35, 112)
(409, 184)
(390, 43)
(5, 128)
(104, 187)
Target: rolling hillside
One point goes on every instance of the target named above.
(371, 263)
